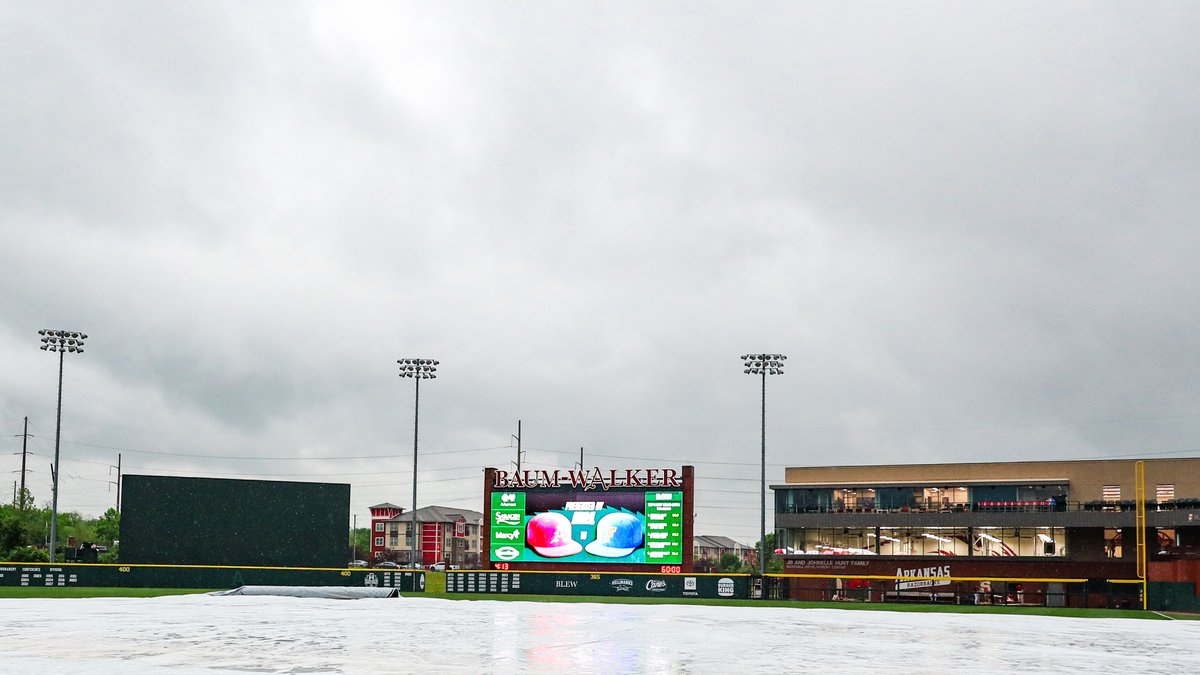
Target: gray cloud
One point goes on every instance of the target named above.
(968, 227)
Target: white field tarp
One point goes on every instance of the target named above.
(273, 634)
(329, 592)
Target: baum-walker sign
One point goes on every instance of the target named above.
(587, 479)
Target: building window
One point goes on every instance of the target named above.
(1164, 493)
(1111, 493)
(378, 541)
(379, 527)
(1167, 541)
(1112, 543)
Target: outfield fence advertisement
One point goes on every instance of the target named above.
(713, 586)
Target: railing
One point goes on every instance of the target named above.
(1000, 506)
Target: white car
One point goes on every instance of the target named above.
(437, 567)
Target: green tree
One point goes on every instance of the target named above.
(360, 543)
(774, 562)
(28, 554)
(24, 500)
(730, 563)
(73, 525)
(108, 527)
(20, 528)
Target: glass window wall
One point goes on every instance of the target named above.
(929, 497)
(930, 541)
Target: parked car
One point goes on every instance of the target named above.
(388, 564)
(358, 563)
(437, 567)
(414, 566)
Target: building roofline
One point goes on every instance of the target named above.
(938, 482)
(1124, 460)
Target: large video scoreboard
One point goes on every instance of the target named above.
(619, 526)
(563, 522)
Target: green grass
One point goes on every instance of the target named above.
(435, 582)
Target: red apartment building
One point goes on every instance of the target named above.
(446, 534)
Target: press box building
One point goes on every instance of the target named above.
(992, 519)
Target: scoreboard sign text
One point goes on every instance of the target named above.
(620, 525)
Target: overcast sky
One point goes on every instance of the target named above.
(971, 227)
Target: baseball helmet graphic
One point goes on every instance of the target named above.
(549, 535)
(617, 535)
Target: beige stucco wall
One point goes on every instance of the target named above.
(1086, 478)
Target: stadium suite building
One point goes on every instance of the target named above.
(991, 519)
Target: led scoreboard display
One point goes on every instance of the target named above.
(617, 525)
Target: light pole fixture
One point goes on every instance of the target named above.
(763, 364)
(417, 369)
(61, 341)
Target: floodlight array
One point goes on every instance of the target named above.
(62, 341)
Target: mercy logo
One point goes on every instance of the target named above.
(512, 536)
(725, 587)
(508, 498)
(503, 518)
(507, 553)
(656, 585)
(622, 585)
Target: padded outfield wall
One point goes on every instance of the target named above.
(171, 520)
(70, 575)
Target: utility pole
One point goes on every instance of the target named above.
(518, 437)
(24, 451)
(118, 481)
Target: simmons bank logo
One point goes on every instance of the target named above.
(622, 585)
(725, 587)
(656, 585)
(507, 553)
(503, 518)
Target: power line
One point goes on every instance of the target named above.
(268, 459)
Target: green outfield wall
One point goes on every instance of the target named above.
(62, 575)
(628, 584)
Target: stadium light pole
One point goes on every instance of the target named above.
(61, 341)
(763, 364)
(417, 369)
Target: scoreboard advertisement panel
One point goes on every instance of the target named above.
(620, 525)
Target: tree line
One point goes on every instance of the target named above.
(25, 531)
